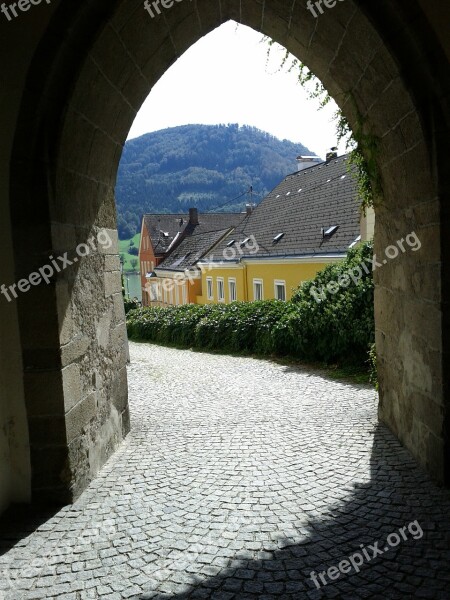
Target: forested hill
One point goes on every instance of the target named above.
(198, 165)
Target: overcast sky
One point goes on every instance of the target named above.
(225, 78)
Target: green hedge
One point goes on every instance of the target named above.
(130, 304)
(335, 327)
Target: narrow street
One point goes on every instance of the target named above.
(239, 478)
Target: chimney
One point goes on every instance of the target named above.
(331, 154)
(249, 209)
(304, 162)
(193, 216)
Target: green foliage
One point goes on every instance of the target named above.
(198, 165)
(340, 325)
(130, 304)
(373, 373)
(362, 146)
(339, 328)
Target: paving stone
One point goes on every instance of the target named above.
(239, 478)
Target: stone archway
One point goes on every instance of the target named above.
(89, 73)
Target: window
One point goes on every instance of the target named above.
(184, 294)
(353, 244)
(330, 231)
(209, 288)
(153, 292)
(220, 290)
(258, 293)
(280, 290)
(232, 289)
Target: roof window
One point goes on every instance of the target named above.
(278, 237)
(358, 239)
(330, 231)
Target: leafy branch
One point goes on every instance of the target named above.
(362, 164)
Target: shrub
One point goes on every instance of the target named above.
(131, 304)
(336, 327)
(339, 326)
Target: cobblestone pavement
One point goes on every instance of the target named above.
(239, 478)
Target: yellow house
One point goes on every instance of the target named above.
(257, 280)
(307, 222)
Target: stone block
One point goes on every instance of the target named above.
(44, 393)
(119, 390)
(71, 386)
(50, 471)
(112, 262)
(74, 350)
(112, 238)
(119, 308)
(113, 283)
(79, 417)
(103, 329)
(47, 431)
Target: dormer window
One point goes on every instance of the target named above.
(278, 237)
(353, 244)
(327, 233)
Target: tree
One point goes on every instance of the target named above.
(133, 263)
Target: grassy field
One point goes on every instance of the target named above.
(123, 249)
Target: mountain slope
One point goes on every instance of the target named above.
(198, 165)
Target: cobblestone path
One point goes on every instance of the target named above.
(239, 478)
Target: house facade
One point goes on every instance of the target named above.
(170, 247)
(158, 234)
(308, 221)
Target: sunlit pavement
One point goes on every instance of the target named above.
(239, 478)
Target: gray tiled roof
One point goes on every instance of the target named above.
(321, 196)
(191, 249)
(158, 225)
